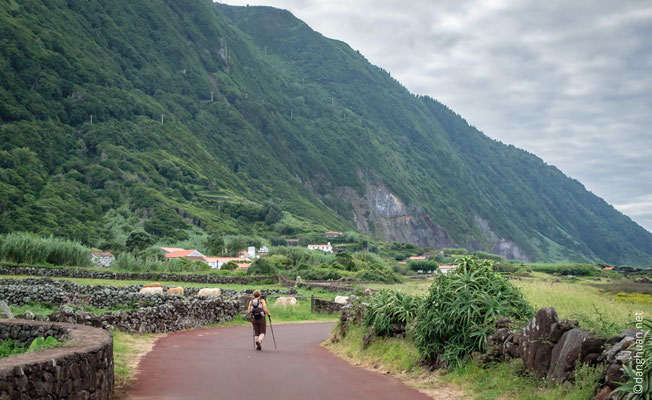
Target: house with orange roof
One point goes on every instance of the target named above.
(243, 266)
(417, 258)
(168, 250)
(189, 254)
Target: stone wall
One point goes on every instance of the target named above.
(83, 369)
(24, 334)
(551, 349)
(135, 276)
(325, 306)
(178, 314)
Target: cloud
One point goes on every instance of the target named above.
(568, 81)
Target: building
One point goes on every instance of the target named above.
(189, 254)
(332, 234)
(444, 269)
(292, 242)
(417, 258)
(263, 250)
(243, 266)
(102, 259)
(217, 262)
(326, 248)
(168, 250)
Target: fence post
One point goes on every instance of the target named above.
(312, 303)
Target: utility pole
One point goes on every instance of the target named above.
(162, 119)
(211, 95)
(291, 113)
(91, 118)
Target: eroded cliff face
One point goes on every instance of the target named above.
(501, 246)
(383, 214)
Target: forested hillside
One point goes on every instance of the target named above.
(193, 118)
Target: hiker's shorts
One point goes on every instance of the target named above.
(260, 326)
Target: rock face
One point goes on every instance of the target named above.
(574, 345)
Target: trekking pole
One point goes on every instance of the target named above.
(272, 329)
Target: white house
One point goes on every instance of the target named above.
(326, 248)
(217, 262)
(189, 254)
(263, 250)
(444, 269)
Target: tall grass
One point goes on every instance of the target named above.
(599, 312)
(28, 249)
(127, 262)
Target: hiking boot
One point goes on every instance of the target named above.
(258, 346)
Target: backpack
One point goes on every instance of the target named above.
(257, 308)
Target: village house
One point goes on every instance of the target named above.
(417, 258)
(263, 250)
(193, 255)
(326, 248)
(217, 262)
(292, 242)
(102, 259)
(168, 250)
(332, 234)
(444, 269)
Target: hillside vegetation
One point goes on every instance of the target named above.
(194, 119)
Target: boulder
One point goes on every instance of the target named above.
(151, 290)
(575, 345)
(206, 292)
(341, 299)
(535, 341)
(286, 301)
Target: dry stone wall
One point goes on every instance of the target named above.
(551, 348)
(135, 276)
(83, 369)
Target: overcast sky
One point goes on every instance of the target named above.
(570, 81)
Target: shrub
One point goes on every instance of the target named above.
(28, 249)
(389, 312)
(575, 269)
(423, 265)
(639, 371)
(461, 309)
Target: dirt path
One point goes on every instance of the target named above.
(221, 363)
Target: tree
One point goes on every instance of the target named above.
(139, 240)
(274, 213)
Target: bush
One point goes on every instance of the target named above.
(461, 309)
(27, 249)
(639, 373)
(389, 312)
(575, 269)
(423, 265)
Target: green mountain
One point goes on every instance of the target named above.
(193, 117)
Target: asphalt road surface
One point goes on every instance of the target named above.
(221, 363)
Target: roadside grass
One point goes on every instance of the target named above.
(400, 358)
(509, 380)
(127, 352)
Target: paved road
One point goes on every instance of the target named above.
(221, 363)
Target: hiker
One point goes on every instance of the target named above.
(257, 310)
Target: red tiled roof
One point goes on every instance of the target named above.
(417, 258)
(102, 254)
(326, 233)
(180, 253)
(171, 249)
(608, 268)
